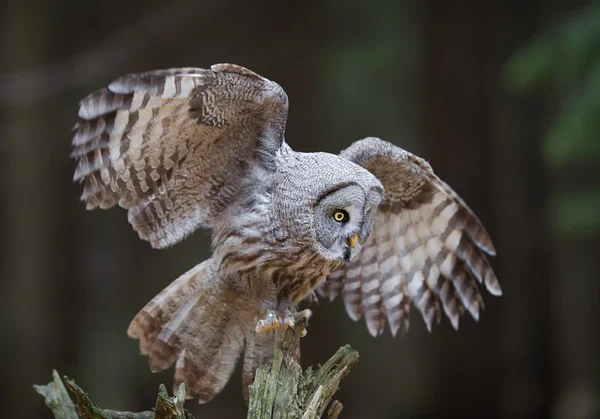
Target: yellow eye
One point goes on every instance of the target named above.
(340, 216)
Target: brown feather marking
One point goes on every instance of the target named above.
(192, 322)
(438, 242)
(176, 141)
(352, 292)
(371, 296)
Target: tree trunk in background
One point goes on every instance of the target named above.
(27, 206)
(488, 149)
(63, 314)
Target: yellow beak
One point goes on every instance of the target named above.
(353, 240)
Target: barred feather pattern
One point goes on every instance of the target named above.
(193, 324)
(174, 146)
(427, 247)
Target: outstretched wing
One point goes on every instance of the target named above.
(174, 146)
(426, 247)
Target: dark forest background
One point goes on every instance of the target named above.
(503, 99)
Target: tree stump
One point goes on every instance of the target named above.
(280, 390)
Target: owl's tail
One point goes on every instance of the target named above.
(199, 323)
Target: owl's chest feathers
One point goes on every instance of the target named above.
(257, 254)
(289, 278)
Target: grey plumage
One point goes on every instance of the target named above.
(188, 148)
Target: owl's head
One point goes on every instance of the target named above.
(343, 219)
(327, 202)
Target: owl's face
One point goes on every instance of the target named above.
(343, 219)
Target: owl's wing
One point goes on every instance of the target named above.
(426, 247)
(173, 146)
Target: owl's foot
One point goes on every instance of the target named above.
(271, 322)
(290, 318)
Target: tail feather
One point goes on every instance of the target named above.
(199, 323)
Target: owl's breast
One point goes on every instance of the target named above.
(299, 275)
(272, 269)
(267, 251)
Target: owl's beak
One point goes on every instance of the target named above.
(353, 239)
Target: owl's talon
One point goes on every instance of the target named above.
(290, 319)
(306, 313)
(271, 322)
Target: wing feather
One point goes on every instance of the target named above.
(426, 248)
(174, 146)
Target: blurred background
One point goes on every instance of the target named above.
(503, 99)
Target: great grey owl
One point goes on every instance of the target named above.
(187, 147)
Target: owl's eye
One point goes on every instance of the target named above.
(340, 216)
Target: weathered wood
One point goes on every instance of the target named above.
(334, 410)
(281, 390)
(57, 399)
(166, 407)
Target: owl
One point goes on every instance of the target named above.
(186, 148)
